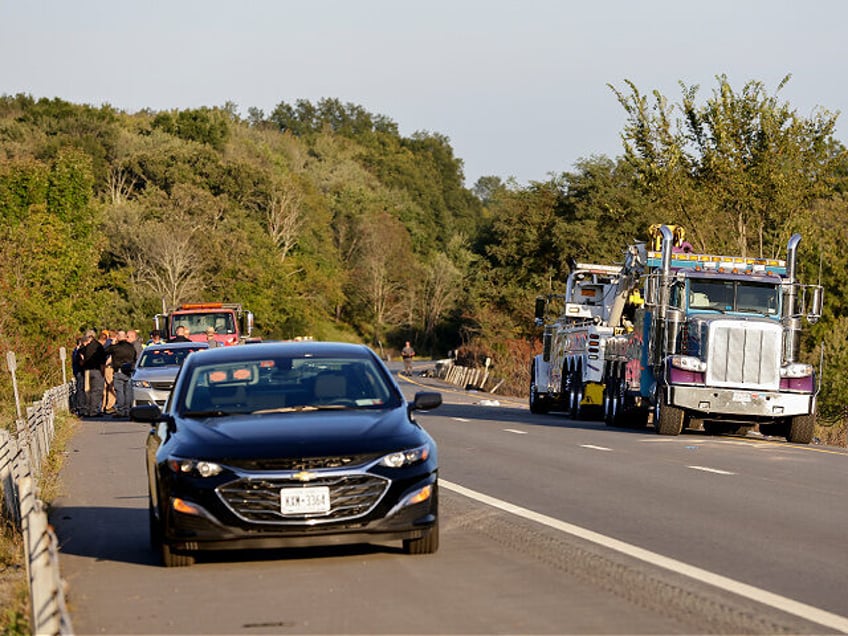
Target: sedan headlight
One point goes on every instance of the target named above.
(141, 384)
(688, 363)
(196, 467)
(796, 370)
(403, 458)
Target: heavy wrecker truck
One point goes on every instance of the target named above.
(232, 323)
(715, 345)
(568, 374)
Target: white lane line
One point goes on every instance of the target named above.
(516, 431)
(460, 419)
(707, 469)
(782, 603)
(593, 447)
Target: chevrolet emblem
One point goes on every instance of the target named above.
(304, 475)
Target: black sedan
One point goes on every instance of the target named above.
(289, 444)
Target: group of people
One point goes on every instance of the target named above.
(103, 364)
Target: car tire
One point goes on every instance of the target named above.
(155, 528)
(172, 559)
(428, 544)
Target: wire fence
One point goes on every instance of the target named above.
(22, 455)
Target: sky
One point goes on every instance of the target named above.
(520, 88)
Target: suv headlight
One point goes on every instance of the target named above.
(197, 467)
(403, 458)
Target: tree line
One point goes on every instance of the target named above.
(325, 221)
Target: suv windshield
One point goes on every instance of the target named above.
(286, 384)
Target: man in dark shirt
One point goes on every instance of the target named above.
(123, 358)
(180, 335)
(93, 362)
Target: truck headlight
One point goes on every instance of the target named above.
(688, 363)
(796, 370)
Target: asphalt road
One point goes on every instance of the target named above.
(548, 526)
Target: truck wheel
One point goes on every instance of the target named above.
(538, 404)
(614, 402)
(801, 429)
(576, 396)
(670, 420)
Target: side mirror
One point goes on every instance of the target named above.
(426, 400)
(541, 305)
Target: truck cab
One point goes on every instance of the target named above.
(232, 324)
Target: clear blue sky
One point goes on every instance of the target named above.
(519, 87)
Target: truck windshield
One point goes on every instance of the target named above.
(197, 322)
(734, 296)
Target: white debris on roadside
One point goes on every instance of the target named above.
(489, 403)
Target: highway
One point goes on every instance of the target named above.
(549, 526)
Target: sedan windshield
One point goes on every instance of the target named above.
(279, 385)
(162, 357)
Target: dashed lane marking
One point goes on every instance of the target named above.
(516, 431)
(593, 447)
(707, 469)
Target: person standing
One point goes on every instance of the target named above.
(180, 335)
(93, 362)
(79, 376)
(123, 357)
(107, 337)
(138, 345)
(155, 338)
(407, 353)
(210, 338)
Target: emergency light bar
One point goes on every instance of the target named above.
(711, 262)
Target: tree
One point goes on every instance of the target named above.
(733, 170)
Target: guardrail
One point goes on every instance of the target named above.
(467, 377)
(21, 457)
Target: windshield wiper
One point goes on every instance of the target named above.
(286, 409)
(303, 407)
(211, 413)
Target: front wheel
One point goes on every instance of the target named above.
(802, 428)
(172, 559)
(669, 419)
(427, 544)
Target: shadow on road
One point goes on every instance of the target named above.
(121, 535)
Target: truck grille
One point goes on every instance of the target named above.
(258, 500)
(744, 354)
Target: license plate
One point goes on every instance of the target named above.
(739, 396)
(301, 501)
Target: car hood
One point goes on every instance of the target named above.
(158, 374)
(304, 434)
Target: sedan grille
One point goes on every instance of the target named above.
(162, 386)
(258, 499)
